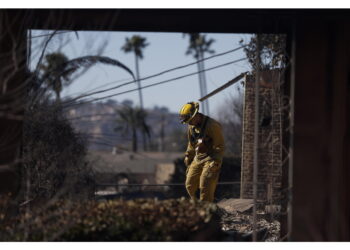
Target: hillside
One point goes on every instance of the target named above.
(97, 121)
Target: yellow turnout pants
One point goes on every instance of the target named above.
(202, 175)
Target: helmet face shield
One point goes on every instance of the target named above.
(188, 111)
(185, 118)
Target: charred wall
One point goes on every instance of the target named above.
(270, 138)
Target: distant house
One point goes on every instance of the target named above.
(133, 168)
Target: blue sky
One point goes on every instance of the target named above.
(165, 51)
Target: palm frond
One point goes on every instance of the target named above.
(63, 68)
(87, 61)
(76, 34)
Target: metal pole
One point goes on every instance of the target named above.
(205, 92)
(243, 182)
(200, 84)
(226, 85)
(256, 136)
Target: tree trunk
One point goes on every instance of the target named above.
(58, 96)
(162, 134)
(134, 140)
(140, 96)
(138, 80)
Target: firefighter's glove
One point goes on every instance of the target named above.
(187, 161)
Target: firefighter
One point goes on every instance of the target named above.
(204, 153)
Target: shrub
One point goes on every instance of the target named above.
(53, 156)
(137, 220)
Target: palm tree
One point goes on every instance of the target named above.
(198, 46)
(136, 44)
(132, 119)
(51, 72)
(57, 71)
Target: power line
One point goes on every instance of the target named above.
(145, 78)
(158, 83)
(158, 74)
(155, 75)
(104, 85)
(155, 84)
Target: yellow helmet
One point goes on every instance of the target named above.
(188, 111)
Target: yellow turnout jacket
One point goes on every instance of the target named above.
(205, 142)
